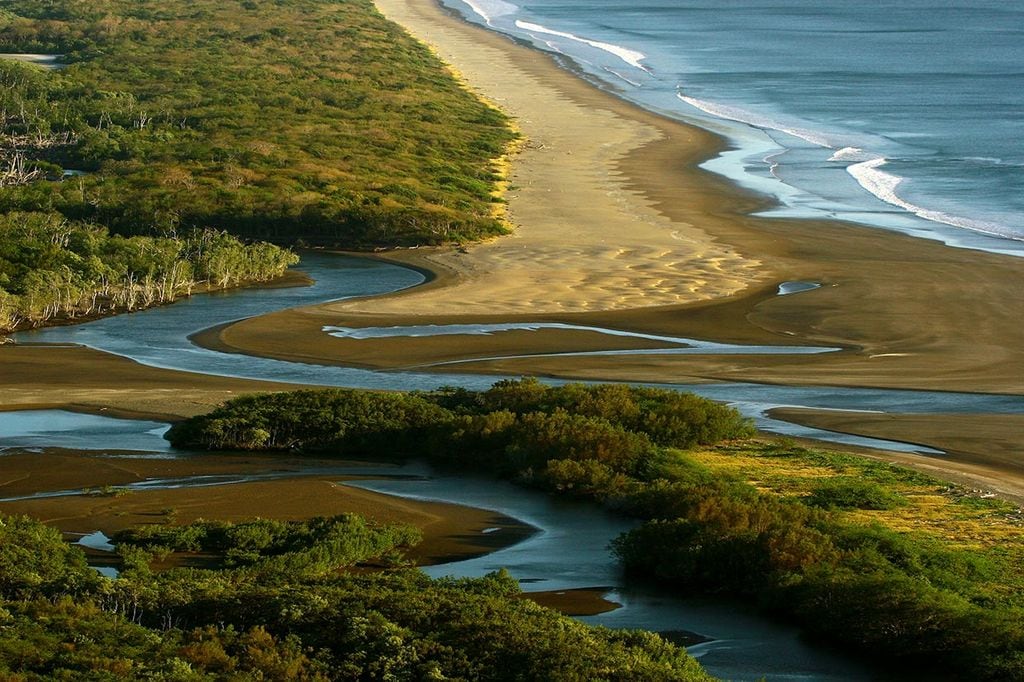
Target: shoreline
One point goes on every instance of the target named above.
(913, 313)
(876, 285)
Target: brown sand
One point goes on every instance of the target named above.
(37, 377)
(617, 227)
(584, 601)
(613, 217)
(449, 531)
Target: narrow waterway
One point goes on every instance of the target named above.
(159, 337)
(571, 549)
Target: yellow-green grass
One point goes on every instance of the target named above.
(964, 518)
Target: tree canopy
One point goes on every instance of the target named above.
(306, 118)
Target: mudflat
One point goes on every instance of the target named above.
(263, 486)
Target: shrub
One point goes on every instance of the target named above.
(845, 492)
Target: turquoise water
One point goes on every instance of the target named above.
(905, 115)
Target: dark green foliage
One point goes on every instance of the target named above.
(54, 269)
(280, 120)
(515, 428)
(35, 561)
(312, 547)
(341, 419)
(681, 420)
(905, 597)
(244, 623)
(896, 594)
(846, 492)
(512, 443)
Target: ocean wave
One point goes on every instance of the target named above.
(989, 161)
(491, 9)
(864, 167)
(751, 119)
(631, 57)
(619, 75)
(851, 154)
(883, 185)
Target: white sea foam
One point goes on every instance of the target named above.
(864, 167)
(631, 57)
(619, 75)
(851, 154)
(884, 185)
(751, 119)
(491, 9)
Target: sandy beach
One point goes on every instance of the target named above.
(615, 226)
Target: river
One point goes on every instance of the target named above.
(571, 549)
(159, 337)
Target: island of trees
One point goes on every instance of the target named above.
(834, 542)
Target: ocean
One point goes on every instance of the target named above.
(905, 115)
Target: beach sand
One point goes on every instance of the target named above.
(616, 226)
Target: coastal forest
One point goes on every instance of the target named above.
(279, 120)
(832, 542)
(165, 127)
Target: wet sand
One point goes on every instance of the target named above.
(615, 226)
(579, 602)
(597, 171)
(450, 531)
(78, 378)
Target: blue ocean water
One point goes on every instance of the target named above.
(907, 115)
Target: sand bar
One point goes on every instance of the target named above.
(450, 531)
(616, 225)
(82, 379)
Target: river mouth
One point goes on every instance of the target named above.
(739, 639)
(160, 337)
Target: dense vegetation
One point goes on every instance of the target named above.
(60, 620)
(527, 412)
(314, 547)
(276, 119)
(861, 552)
(51, 268)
